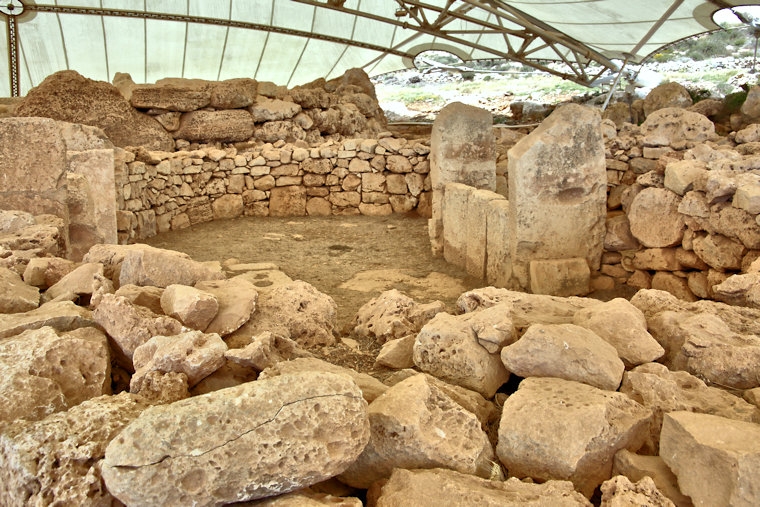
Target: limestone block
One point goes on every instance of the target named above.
(620, 491)
(174, 95)
(295, 310)
(637, 466)
(44, 272)
(236, 298)
(273, 110)
(663, 391)
(498, 248)
(623, 326)
(714, 458)
(719, 252)
(61, 316)
(227, 206)
(454, 348)
(673, 126)
(229, 125)
(735, 224)
(690, 260)
(265, 350)
(618, 235)
(564, 351)
(415, 424)
(742, 290)
(145, 265)
(454, 212)
(750, 110)
(714, 353)
(747, 197)
(560, 277)
(667, 95)
(233, 93)
(656, 259)
(193, 307)
(397, 353)
(371, 388)
(193, 353)
(393, 315)
(676, 285)
(694, 204)
(680, 176)
(14, 220)
(15, 295)
(148, 296)
(475, 227)
(59, 457)
(525, 309)
(287, 201)
(129, 326)
(309, 498)
(559, 429)
(558, 191)
(402, 203)
(654, 218)
(431, 488)
(252, 441)
(43, 371)
(749, 134)
(82, 281)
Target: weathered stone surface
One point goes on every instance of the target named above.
(676, 285)
(431, 488)
(227, 206)
(229, 126)
(270, 437)
(287, 201)
(15, 295)
(82, 281)
(295, 310)
(560, 277)
(307, 498)
(565, 351)
(193, 353)
(464, 350)
(172, 94)
(498, 248)
(636, 467)
(42, 371)
(743, 290)
(14, 220)
(559, 429)
(620, 492)
(44, 272)
(454, 211)
(393, 315)
(397, 353)
(558, 191)
(663, 391)
(58, 459)
(415, 424)
(667, 95)
(161, 268)
(193, 307)
(265, 350)
(623, 326)
(129, 326)
(681, 176)
(371, 387)
(654, 218)
(70, 97)
(618, 236)
(714, 458)
(233, 93)
(526, 309)
(61, 316)
(147, 296)
(674, 126)
(273, 110)
(237, 301)
(719, 252)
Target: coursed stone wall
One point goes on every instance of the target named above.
(162, 191)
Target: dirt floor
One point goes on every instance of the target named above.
(350, 258)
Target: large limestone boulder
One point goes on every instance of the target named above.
(667, 95)
(672, 126)
(663, 391)
(623, 326)
(68, 96)
(61, 316)
(565, 351)
(82, 281)
(129, 326)
(59, 457)
(15, 295)
(172, 94)
(193, 353)
(620, 491)
(297, 311)
(714, 458)
(415, 424)
(265, 350)
(193, 307)
(464, 349)
(237, 301)
(252, 441)
(42, 371)
(637, 466)
(228, 126)
(393, 315)
(439, 486)
(654, 218)
(560, 429)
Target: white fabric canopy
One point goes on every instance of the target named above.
(292, 42)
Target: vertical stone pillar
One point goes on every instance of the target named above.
(462, 150)
(557, 196)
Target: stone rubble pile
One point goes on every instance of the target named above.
(142, 376)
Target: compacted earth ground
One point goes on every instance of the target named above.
(350, 258)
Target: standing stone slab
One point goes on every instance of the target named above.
(560, 429)
(252, 441)
(560, 277)
(498, 260)
(476, 227)
(716, 460)
(454, 212)
(558, 191)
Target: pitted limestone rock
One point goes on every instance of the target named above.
(252, 441)
(193, 307)
(392, 315)
(237, 301)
